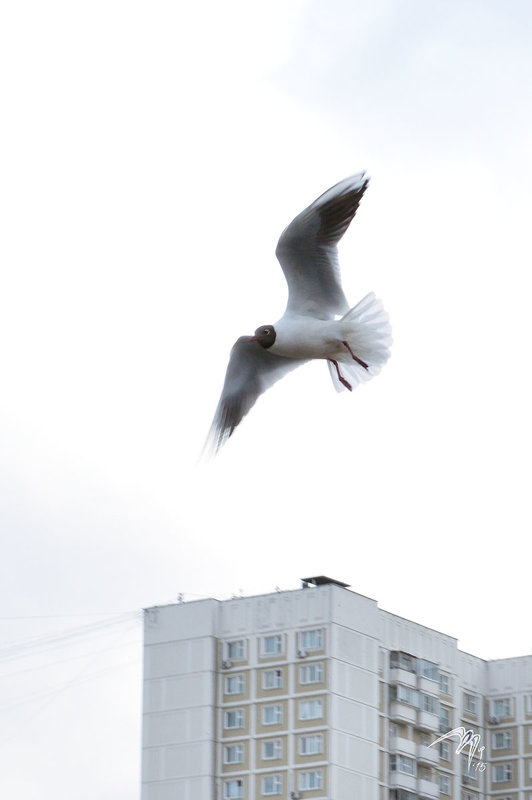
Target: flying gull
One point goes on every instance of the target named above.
(317, 322)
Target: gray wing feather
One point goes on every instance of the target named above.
(308, 254)
(250, 372)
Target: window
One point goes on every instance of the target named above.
(234, 684)
(429, 703)
(399, 763)
(445, 719)
(502, 773)
(502, 707)
(402, 794)
(271, 784)
(272, 749)
(445, 683)
(311, 745)
(310, 709)
(234, 719)
(272, 679)
(235, 650)
(233, 789)
(234, 754)
(424, 773)
(445, 785)
(272, 645)
(470, 703)
(502, 740)
(272, 715)
(311, 640)
(470, 770)
(399, 660)
(445, 751)
(428, 670)
(311, 673)
(404, 694)
(313, 779)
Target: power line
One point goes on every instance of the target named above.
(9, 705)
(47, 664)
(64, 616)
(31, 645)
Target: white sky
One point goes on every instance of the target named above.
(150, 157)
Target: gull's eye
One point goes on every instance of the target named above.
(266, 331)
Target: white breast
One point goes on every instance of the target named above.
(304, 337)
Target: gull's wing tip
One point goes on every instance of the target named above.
(354, 184)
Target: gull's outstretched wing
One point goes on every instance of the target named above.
(308, 254)
(251, 370)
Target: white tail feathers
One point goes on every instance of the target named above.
(366, 328)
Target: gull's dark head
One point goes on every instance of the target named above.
(265, 336)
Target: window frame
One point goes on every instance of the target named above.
(275, 707)
(399, 693)
(277, 674)
(507, 735)
(397, 763)
(234, 746)
(239, 783)
(445, 746)
(277, 789)
(507, 705)
(240, 715)
(444, 717)
(306, 633)
(313, 665)
(468, 697)
(308, 772)
(428, 703)
(428, 669)
(307, 702)
(401, 660)
(508, 772)
(277, 748)
(445, 683)
(312, 752)
(277, 651)
(234, 677)
(241, 652)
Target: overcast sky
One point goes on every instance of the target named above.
(150, 158)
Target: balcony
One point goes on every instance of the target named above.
(402, 712)
(428, 789)
(398, 675)
(428, 755)
(427, 721)
(428, 686)
(400, 745)
(399, 780)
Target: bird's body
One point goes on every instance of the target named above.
(317, 323)
(304, 337)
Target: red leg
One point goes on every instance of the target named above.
(340, 377)
(354, 357)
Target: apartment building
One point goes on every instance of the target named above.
(317, 693)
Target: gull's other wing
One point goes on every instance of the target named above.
(251, 370)
(307, 250)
